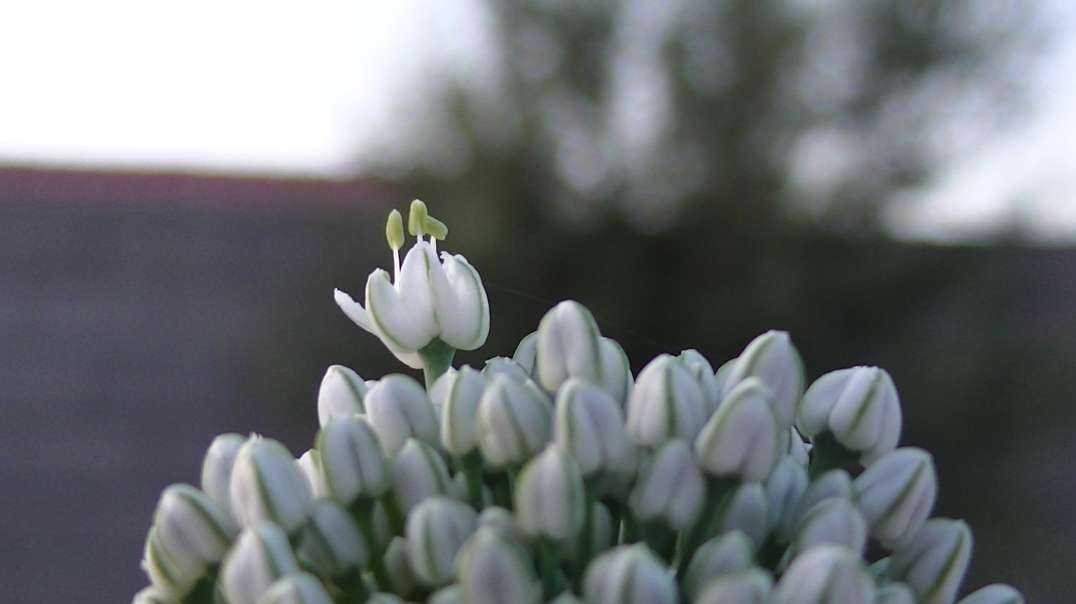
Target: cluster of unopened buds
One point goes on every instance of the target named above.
(558, 476)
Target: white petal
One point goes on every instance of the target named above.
(353, 310)
(461, 304)
(404, 321)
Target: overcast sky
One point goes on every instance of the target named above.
(267, 86)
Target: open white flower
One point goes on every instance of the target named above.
(425, 299)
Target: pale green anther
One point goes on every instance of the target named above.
(435, 228)
(416, 219)
(394, 232)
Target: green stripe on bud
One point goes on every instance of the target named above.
(268, 485)
(741, 439)
(728, 554)
(418, 473)
(629, 574)
(353, 462)
(897, 493)
(297, 588)
(494, 569)
(436, 530)
(834, 521)
(332, 542)
(259, 558)
(934, 561)
(670, 487)
(549, 498)
(826, 574)
(747, 587)
(341, 394)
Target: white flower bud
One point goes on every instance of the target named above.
(439, 389)
(549, 499)
(398, 568)
(666, 403)
(728, 554)
(296, 588)
(332, 542)
(746, 587)
(616, 370)
(784, 488)
(310, 464)
(459, 413)
(217, 469)
(859, 406)
(191, 527)
(267, 485)
(772, 359)
(827, 574)
(419, 472)
(746, 511)
(741, 438)
(513, 421)
(436, 530)
(526, 352)
(830, 484)
(568, 345)
(341, 394)
(894, 593)
(502, 521)
(494, 570)
(897, 493)
(834, 521)
(451, 594)
(173, 575)
(353, 463)
(399, 409)
(703, 372)
(260, 556)
(998, 593)
(934, 561)
(670, 487)
(506, 366)
(629, 574)
(153, 595)
(722, 376)
(589, 426)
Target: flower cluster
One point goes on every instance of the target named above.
(557, 475)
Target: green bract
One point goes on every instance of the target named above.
(558, 476)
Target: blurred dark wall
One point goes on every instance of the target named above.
(143, 314)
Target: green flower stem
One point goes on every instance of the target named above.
(472, 472)
(393, 511)
(436, 359)
(204, 590)
(828, 454)
(362, 510)
(586, 541)
(548, 569)
(718, 492)
(352, 589)
(771, 552)
(629, 528)
(660, 539)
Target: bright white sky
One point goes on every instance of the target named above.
(302, 88)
